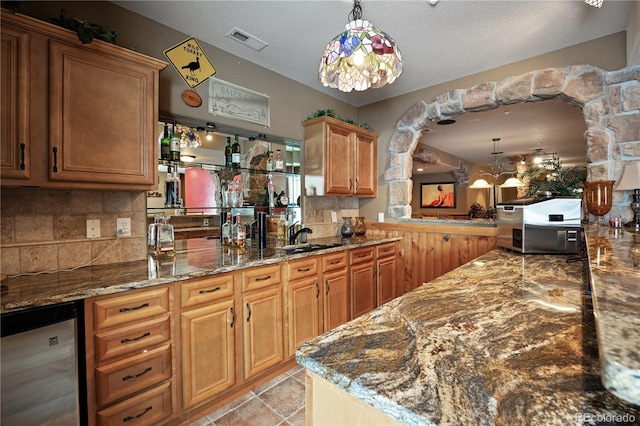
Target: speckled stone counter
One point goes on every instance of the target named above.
(505, 339)
(615, 282)
(194, 258)
(452, 221)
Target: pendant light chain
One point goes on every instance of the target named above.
(356, 12)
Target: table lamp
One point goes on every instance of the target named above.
(630, 181)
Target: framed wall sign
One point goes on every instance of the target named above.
(233, 101)
(440, 195)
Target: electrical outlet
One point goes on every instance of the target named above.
(93, 228)
(334, 217)
(123, 227)
(205, 222)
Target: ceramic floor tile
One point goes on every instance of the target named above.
(230, 406)
(298, 418)
(300, 376)
(271, 383)
(253, 413)
(286, 398)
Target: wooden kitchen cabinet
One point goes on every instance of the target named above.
(304, 302)
(363, 277)
(80, 116)
(263, 327)
(15, 146)
(386, 266)
(208, 329)
(335, 282)
(340, 158)
(130, 356)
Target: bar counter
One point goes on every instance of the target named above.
(194, 258)
(504, 339)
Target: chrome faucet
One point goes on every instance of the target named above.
(293, 234)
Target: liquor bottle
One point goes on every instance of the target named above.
(227, 153)
(283, 198)
(226, 232)
(279, 163)
(235, 153)
(165, 144)
(174, 142)
(282, 231)
(172, 188)
(241, 232)
(270, 162)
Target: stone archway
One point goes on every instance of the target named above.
(610, 103)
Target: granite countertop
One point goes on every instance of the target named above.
(194, 258)
(504, 339)
(615, 282)
(452, 221)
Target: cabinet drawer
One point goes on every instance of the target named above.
(203, 290)
(260, 277)
(147, 408)
(120, 379)
(302, 268)
(385, 250)
(334, 261)
(120, 310)
(362, 254)
(121, 342)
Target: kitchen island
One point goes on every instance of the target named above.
(504, 339)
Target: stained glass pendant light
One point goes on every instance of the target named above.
(361, 57)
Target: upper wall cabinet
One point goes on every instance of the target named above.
(339, 158)
(75, 116)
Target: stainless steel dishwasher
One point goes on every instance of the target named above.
(40, 372)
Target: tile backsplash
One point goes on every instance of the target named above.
(45, 229)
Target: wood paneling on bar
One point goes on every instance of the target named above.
(431, 250)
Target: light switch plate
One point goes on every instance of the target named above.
(334, 217)
(123, 227)
(93, 228)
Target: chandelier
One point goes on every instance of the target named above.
(594, 3)
(361, 57)
(496, 168)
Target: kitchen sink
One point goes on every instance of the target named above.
(309, 247)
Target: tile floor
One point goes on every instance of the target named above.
(280, 401)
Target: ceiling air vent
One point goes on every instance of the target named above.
(246, 39)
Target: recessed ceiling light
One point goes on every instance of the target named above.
(420, 169)
(446, 121)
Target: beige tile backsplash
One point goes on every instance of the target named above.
(45, 229)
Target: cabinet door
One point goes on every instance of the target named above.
(102, 116)
(339, 156)
(305, 321)
(366, 166)
(263, 341)
(386, 279)
(363, 288)
(208, 353)
(15, 145)
(336, 299)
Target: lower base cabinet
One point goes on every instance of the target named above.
(335, 289)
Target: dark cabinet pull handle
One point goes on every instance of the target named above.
(380, 270)
(55, 159)
(263, 278)
(146, 410)
(135, 308)
(334, 262)
(133, 339)
(350, 184)
(22, 148)
(357, 185)
(304, 270)
(317, 290)
(248, 309)
(363, 255)
(327, 285)
(233, 317)
(135, 376)
(209, 291)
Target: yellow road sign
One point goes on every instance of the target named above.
(190, 61)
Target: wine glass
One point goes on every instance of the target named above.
(599, 195)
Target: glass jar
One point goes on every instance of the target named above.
(346, 230)
(359, 227)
